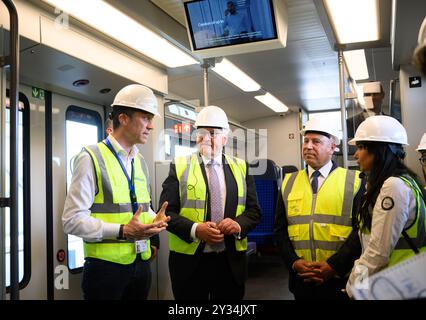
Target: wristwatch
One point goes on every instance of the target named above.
(121, 233)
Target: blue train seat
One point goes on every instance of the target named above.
(267, 193)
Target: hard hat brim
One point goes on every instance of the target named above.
(323, 133)
(353, 141)
(147, 110)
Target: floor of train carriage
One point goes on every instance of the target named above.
(267, 277)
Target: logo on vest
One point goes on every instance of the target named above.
(387, 203)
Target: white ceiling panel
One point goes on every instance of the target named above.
(302, 75)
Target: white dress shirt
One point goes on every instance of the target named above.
(386, 228)
(76, 219)
(222, 182)
(325, 170)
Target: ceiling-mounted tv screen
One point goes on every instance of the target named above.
(224, 27)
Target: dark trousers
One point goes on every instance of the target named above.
(104, 280)
(330, 290)
(211, 280)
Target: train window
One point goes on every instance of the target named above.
(83, 127)
(179, 130)
(237, 142)
(24, 242)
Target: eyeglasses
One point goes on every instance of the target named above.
(212, 133)
(423, 161)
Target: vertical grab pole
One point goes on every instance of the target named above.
(343, 109)
(206, 67)
(2, 182)
(14, 151)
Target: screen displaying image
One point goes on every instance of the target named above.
(216, 23)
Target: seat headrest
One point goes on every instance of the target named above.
(289, 169)
(270, 169)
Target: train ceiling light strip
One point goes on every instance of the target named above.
(271, 102)
(114, 23)
(227, 70)
(354, 20)
(357, 64)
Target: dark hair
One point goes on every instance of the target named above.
(108, 122)
(387, 163)
(419, 59)
(116, 111)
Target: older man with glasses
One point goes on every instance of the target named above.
(213, 205)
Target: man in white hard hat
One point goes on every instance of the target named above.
(314, 218)
(213, 205)
(422, 150)
(108, 203)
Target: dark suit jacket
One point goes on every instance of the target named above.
(182, 265)
(342, 261)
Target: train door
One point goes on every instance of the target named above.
(23, 210)
(75, 125)
(50, 261)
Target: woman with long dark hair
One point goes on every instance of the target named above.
(391, 219)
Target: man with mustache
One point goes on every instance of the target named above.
(213, 205)
(314, 218)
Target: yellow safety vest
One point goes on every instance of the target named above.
(319, 224)
(112, 204)
(416, 231)
(193, 192)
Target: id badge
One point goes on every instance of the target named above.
(140, 246)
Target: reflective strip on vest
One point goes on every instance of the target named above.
(185, 202)
(317, 233)
(322, 245)
(193, 189)
(416, 231)
(112, 204)
(117, 207)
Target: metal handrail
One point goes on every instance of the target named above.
(13, 61)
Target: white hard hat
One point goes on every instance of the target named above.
(422, 145)
(380, 129)
(138, 97)
(316, 124)
(212, 116)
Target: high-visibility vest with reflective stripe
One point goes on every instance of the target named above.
(319, 224)
(112, 204)
(416, 231)
(193, 191)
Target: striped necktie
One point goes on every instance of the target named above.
(216, 206)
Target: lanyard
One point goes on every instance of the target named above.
(132, 193)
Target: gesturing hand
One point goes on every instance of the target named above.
(161, 215)
(138, 230)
